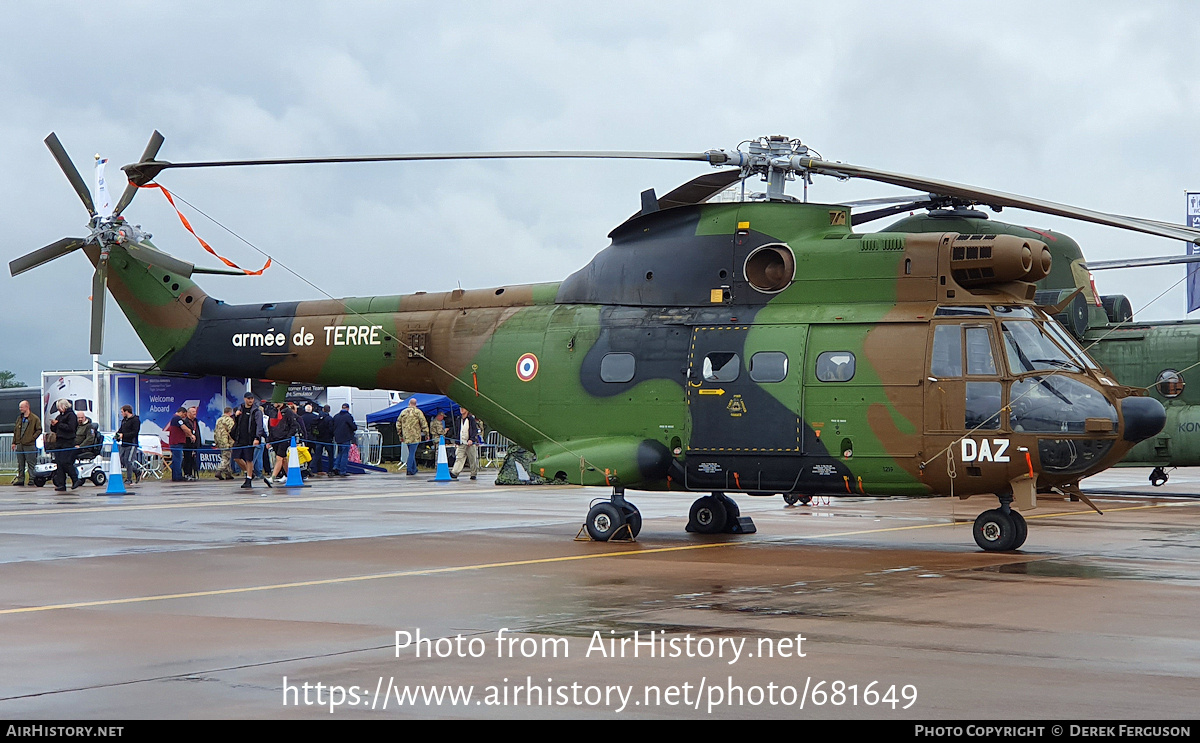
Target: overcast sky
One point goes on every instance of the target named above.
(1093, 104)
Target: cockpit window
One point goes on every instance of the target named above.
(1066, 341)
(1006, 313)
(1058, 404)
(960, 311)
(979, 351)
(1029, 349)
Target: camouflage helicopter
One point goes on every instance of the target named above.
(757, 346)
(1149, 355)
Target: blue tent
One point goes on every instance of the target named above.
(430, 405)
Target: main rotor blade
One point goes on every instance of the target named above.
(44, 255)
(1162, 260)
(144, 172)
(156, 257)
(997, 198)
(68, 168)
(887, 201)
(151, 151)
(99, 286)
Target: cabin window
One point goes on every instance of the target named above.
(1170, 383)
(947, 352)
(617, 367)
(769, 366)
(721, 366)
(835, 366)
(983, 406)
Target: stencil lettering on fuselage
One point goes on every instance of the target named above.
(985, 450)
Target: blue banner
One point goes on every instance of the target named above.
(160, 397)
(1193, 277)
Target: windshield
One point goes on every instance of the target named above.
(1029, 349)
(1066, 341)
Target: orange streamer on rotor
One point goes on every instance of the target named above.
(199, 239)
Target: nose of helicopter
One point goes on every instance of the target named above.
(1144, 417)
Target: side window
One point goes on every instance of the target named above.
(835, 366)
(979, 351)
(617, 367)
(947, 351)
(721, 366)
(983, 406)
(769, 366)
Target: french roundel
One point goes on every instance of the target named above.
(527, 367)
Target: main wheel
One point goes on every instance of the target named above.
(1022, 530)
(995, 531)
(603, 520)
(793, 498)
(633, 517)
(99, 477)
(732, 512)
(709, 515)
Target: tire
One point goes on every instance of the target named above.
(633, 517)
(994, 531)
(1022, 530)
(732, 512)
(709, 515)
(603, 520)
(793, 498)
(99, 477)
(39, 481)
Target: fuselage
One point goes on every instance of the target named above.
(756, 347)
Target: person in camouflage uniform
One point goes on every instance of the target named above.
(224, 441)
(413, 429)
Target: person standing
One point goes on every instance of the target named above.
(281, 434)
(25, 434)
(343, 436)
(467, 451)
(177, 438)
(223, 435)
(127, 436)
(323, 447)
(413, 429)
(191, 450)
(249, 433)
(64, 428)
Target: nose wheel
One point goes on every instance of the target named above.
(614, 519)
(1000, 531)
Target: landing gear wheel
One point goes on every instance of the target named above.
(603, 520)
(793, 498)
(732, 512)
(39, 481)
(1022, 529)
(995, 531)
(98, 478)
(633, 517)
(709, 515)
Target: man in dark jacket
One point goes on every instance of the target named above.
(127, 436)
(64, 429)
(281, 433)
(249, 434)
(25, 434)
(324, 449)
(343, 436)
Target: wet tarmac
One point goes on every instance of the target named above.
(197, 600)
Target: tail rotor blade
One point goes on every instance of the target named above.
(99, 287)
(156, 257)
(151, 151)
(44, 255)
(68, 168)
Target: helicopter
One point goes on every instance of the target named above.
(758, 346)
(1149, 355)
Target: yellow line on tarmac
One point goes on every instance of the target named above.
(507, 564)
(258, 501)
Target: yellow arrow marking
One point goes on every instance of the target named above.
(712, 392)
